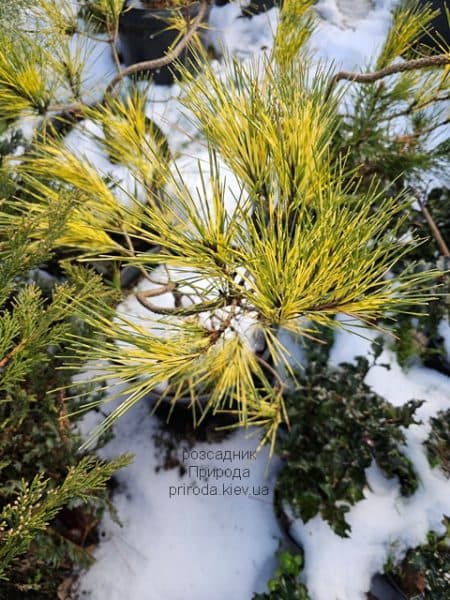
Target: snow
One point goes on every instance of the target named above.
(164, 108)
(234, 537)
(345, 14)
(350, 40)
(204, 547)
(98, 63)
(293, 356)
(444, 331)
(231, 34)
(201, 547)
(192, 171)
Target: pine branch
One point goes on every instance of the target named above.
(411, 138)
(8, 357)
(185, 312)
(410, 65)
(432, 127)
(139, 67)
(414, 107)
(157, 63)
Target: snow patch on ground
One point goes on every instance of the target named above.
(195, 547)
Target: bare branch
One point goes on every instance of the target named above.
(165, 287)
(414, 107)
(433, 127)
(443, 248)
(438, 60)
(277, 377)
(156, 63)
(113, 33)
(74, 108)
(182, 311)
(8, 357)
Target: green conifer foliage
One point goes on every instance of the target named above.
(51, 495)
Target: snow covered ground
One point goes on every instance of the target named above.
(179, 540)
(177, 544)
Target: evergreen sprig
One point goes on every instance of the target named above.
(438, 442)
(285, 584)
(42, 472)
(424, 571)
(37, 504)
(338, 426)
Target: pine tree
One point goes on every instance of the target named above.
(314, 231)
